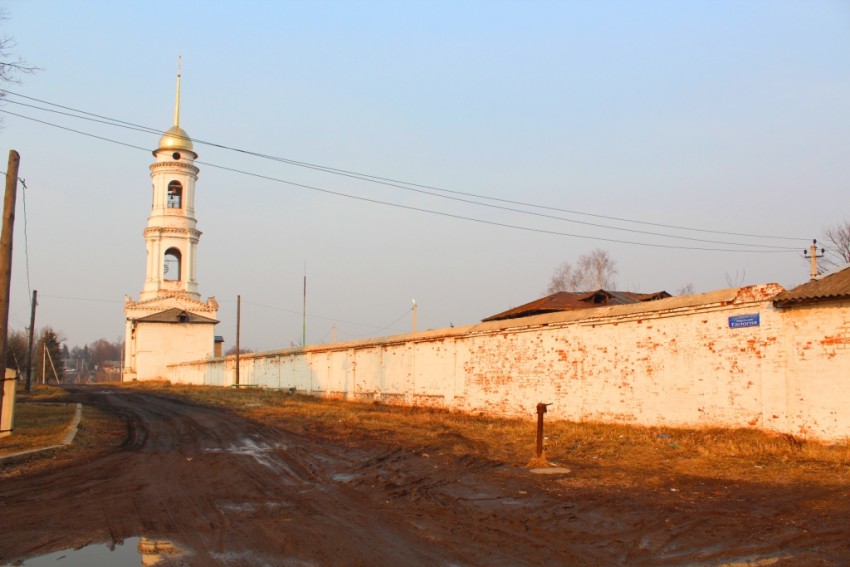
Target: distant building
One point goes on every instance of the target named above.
(169, 323)
(572, 300)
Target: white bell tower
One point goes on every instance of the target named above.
(169, 324)
(171, 236)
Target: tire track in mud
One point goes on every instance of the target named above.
(236, 492)
(223, 487)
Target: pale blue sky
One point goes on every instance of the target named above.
(726, 116)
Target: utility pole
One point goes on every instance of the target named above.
(6, 264)
(415, 309)
(304, 312)
(238, 328)
(29, 345)
(53, 366)
(812, 255)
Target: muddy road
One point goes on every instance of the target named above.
(227, 491)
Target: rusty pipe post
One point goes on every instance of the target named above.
(541, 409)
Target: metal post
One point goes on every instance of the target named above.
(541, 409)
(238, 329)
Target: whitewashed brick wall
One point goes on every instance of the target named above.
(669, 362)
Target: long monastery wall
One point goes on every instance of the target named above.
(681, 361)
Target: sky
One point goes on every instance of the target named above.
(700, 143)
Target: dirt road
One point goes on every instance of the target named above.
(228, 491)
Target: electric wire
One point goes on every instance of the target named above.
(26, 238)
(65, 297)
(769, 250)
(23, 183)
(385, 328)
(385, 180)
(772, 250)
(364, 177)
(420, 188)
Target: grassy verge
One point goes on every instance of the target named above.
(37, 425)
(622, 454)
(41, 420)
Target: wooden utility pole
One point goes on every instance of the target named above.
(6, 261)
(29, 345)
(238, 328)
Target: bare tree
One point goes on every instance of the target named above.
(738, 280)
(562, 279)
(103, 351)
(687, 289)
(593, 270)
(11, 65)
(232, 350)
(16, 351)
(837, 245)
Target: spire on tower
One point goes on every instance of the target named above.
(177, 101)
(175, 138)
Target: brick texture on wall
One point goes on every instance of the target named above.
(722, 359)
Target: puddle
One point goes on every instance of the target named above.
(344, 477)
(251, 448)
(134, 552)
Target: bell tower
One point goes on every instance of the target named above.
(169, 324)
(171, 236)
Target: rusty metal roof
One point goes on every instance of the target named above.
(176, 315)
(832, 286)
(569, 300)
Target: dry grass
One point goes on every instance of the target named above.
(41, 420)
(37, 425)
(646, 455)
(620, 453)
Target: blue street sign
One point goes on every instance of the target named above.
(751, 320)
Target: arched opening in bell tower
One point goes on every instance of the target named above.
(172, 268)
(175, 195)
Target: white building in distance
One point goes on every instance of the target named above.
(169, 323)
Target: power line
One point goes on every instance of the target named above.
(773, 250)
(26, 238)
(80, 298)
(88, 134)
(411, 186)
(766, 248)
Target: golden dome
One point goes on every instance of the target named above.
(176, 138)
